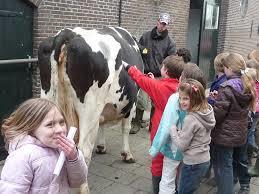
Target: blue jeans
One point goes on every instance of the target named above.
(223, 159)
(251, 130)
(191, 177)
(240, 166)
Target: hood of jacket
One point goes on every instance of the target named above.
(236, 85)
(19, 142)
(206, 118)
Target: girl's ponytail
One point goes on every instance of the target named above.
(249, 88)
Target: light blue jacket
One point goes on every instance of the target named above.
(172, 115)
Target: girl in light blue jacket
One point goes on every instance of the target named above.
(172, 115)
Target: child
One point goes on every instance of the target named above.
(185, 54)
(172, 115)
(194, 138)
(235, 98)
(35, 133)
(254, 171)
(159, 91)
(219, 78)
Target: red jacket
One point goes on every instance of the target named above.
(159, 91)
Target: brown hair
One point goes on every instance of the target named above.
(195, 90)
(192, 71)
(174, 65)
(26, 118)
(185, 54)
(218, 62)
(254, 54)
(237, 64)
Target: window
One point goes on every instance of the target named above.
(212, 16)
(243, 7)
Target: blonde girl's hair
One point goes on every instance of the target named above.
(255, 65)
(237, 64)
(26, 118)
(218, 62)
(196, 92)
(254, 54)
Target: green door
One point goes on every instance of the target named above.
(209, 37)
(16, 24)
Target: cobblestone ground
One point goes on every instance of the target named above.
(109, 175)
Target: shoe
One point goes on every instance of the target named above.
(144, 123)
(135, 127)
(244, 190)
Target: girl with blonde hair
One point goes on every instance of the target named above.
(35, 133)
(235, 98)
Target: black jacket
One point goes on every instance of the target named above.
(158, 47)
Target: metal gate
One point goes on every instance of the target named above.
(16, 23)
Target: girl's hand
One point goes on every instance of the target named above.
(68, 147)
(214, 94)
(151, 75)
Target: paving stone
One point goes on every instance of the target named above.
(106, 159)
(119, 164)
(117, 188)
(143, 171)
(142, 183)
(102, 183)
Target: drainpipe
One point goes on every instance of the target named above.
(120, 8)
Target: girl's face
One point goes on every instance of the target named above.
(52, 126)
(184, 101)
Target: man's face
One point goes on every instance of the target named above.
(161, 26)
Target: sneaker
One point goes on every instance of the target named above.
(244, 190)
(135, 127)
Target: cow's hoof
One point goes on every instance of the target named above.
(100, 149)
(127, 158)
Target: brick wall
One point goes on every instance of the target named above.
(238, 35)
(137, 16)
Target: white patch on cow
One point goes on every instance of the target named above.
(95, 40)
(135, 46)
(112, 28)
(53, 93)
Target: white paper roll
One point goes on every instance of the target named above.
(62, 157)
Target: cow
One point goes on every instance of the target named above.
(81, 70)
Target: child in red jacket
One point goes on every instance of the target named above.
(159, 91)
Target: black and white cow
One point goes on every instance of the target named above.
(82, 71)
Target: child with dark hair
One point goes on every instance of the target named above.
(185, 54)
(172, 115)
(159, 92)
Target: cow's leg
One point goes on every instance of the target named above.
(101, 144)
(126, 153)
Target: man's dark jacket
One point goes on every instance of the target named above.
(158, 46)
